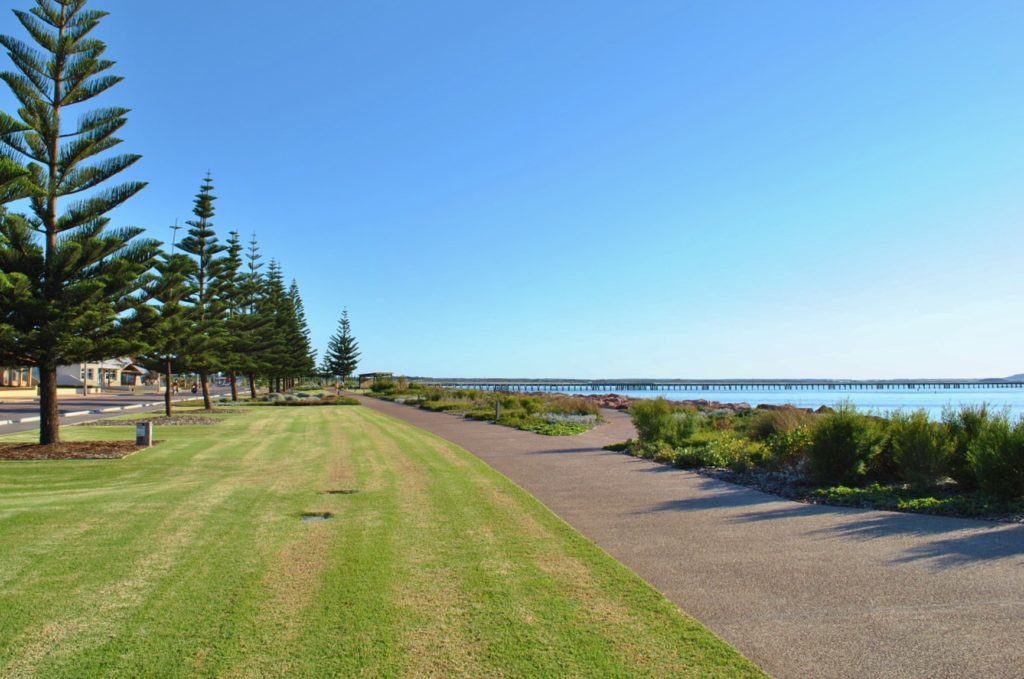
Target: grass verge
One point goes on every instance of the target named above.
(191, 559)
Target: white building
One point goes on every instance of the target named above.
(115, 372)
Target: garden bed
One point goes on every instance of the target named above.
(545, 414)
(943, 501)
(969, 464)
(163, 421)
(70, 450)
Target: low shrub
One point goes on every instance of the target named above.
(654, 450)
(659, 420)
(531, 405)
(654, 420)
(383, 386)
(433, 394)
(788, 449)
(964, 425)
(721, 422)
(721, 449)
(997, 457)
(882, 467)
(447, 406)
(764, 424)
(842, 445)
(920, 448)
(571, 405)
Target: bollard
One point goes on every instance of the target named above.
(144, 434)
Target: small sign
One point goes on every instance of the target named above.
(144, 434)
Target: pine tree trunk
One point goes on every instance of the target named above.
(167, 390)
(204, 380)
(49, 413)
(234, 386)
(252, 386)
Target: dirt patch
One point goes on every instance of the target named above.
(174, 421)
(72, 450)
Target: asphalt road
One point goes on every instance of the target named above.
(19, 416)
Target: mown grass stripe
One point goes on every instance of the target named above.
(190, 560)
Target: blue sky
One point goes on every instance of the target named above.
(589, 189)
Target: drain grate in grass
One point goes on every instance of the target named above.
(309, 517)
(342, 491)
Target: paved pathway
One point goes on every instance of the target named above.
(804, 591)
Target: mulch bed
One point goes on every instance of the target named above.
(175, 421)
(70, 450)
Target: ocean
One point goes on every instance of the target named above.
(880, 401)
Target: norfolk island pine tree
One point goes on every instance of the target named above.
(258, 334)
(277, 350)
(241, 291)
(165, 324)
(303, 356)
(12, 187)
(80, 283)
(230, 293)
(207, 337)
(342, 357)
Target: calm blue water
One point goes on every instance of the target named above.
(879, 400)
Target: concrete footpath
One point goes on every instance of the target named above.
(802, 590)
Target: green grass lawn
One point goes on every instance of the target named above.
(190, 559)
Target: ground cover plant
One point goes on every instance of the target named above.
(548, 414)
(971, 463)
(192, 559)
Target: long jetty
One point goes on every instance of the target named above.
(613, 385)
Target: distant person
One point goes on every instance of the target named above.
(195, 388)
(337, 388)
